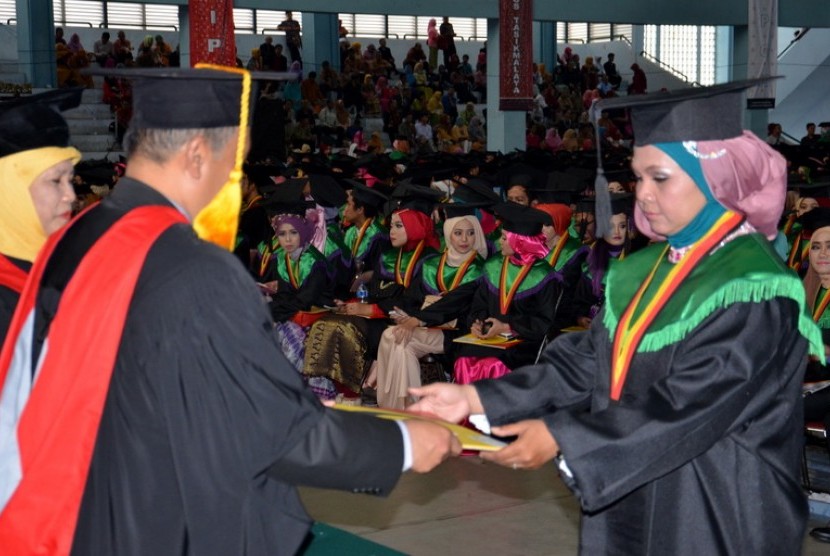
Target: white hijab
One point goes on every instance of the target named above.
(454, 258)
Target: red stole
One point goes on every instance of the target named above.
(11, 275)
(57, 428)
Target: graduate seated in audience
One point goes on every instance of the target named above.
(817, 286)
(562, 247)
(519, 189)
(328, 197)
(366, 236)
(301, 276)
(254, 225)
(797, 241)
(342, 346)
(566, 257)
(583, 223)
(789, 225)
(402, 345)
(516, 299)
(479, 193)
(36, 195)
(589, 294)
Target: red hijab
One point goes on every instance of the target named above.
(418, 227)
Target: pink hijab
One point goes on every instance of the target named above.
(745, 175)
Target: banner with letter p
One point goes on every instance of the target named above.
(211, 32)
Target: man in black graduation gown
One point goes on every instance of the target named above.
(206, 429)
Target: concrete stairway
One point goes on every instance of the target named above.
(89, 128)
(9, 73)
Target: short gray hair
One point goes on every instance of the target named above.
(159, 145)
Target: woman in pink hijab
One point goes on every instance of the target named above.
(432, 44)
(683, 400)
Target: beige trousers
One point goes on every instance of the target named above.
(397, 364)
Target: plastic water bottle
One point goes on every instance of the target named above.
(362, 293)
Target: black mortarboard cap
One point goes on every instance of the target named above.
(585, 204)
(262, 176)
(622, 203)
(565, 187)
(525, 180)
(818, 188)
(316, 165)
(327, 191)
(186, 98)
(288, 191)
(297, 208)
(380, 166)
(696, 114)
(366, 195)
(622, 175)
(521, 173)
(95, 173)
(523, 220)
(35, 121)
(475, 190)
(287, 198)
(453, 210)
(418, 175)
(817, 218)
(467, 162)
(342, 164)
(416, 197)
(425, 173)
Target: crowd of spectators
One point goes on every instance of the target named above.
(431, 103)
(72, 57)
(426, 103)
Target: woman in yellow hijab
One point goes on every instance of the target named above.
(36, 195)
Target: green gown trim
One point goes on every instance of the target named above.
(310, 257)
(745, 270)
(389, 259)
(572, 245)
(823, 320)
(429, 273)
(540, 270)
(351, 237)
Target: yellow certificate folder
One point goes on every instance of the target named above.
(498, 342)
(470, 439)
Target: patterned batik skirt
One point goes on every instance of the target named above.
(337, 347)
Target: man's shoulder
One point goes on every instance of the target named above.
(179, 257)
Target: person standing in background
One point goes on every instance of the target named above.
(293, 40)
(433, 43)
(447, 41)
(268, 54)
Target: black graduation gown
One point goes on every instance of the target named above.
(254, 228)
(386, 293)
(571, 274)
(530, 315)
(315, 289)
(454, 304)
(206, 427)
(675, 466)
(9, 299)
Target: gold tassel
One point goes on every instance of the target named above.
(219, 220)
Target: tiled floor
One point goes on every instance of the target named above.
(468, 507)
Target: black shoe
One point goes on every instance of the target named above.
(369, 397)
(821, 534)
